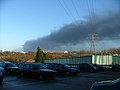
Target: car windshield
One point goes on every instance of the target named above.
(67, 66)
(10, 65)
(40, 66)
(116, 80)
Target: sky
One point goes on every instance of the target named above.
(58, 24)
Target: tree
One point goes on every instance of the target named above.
(39, 55)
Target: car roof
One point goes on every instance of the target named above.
(6, 62)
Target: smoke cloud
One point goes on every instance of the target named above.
(74, 36)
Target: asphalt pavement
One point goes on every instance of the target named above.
(82, 81)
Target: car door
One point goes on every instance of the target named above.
(56, 68)
(26, 70)
(88, 67)
(116, 86)
(83, 67)
(34, 70)
(63, 69)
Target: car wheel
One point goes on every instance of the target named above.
(91, 70)
(68, 73)
(1, 80)
(81, 70)
(3, 74)
(52, 77)
(40, 77)
(21, 74)
(8, 72)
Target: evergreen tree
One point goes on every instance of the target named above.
(39, 55)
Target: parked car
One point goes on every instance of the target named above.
(10, 68)
(86, 67)
(37, 70)
(106, 85)
(63, 69)
(1, 75)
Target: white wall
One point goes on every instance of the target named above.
(102, 59)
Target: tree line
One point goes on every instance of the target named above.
(40, 55)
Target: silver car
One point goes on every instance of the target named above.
(106, 85)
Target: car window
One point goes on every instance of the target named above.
(67, 66)
(26, 66)
(39, 66)
(61, 66)
(56, 66)
(10, 65)
(1, 64)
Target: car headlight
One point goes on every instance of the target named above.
(11, 69)
(95, 68)
(1, 74)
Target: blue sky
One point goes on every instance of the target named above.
(22, 20)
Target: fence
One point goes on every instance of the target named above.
(71, 60)
(105, 60)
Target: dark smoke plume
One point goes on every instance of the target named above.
(71, 36)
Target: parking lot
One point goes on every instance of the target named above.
(82, 81)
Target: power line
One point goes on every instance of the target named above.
(80, 5)
(65, 10)
(75, 8)
(90, 10)
(109, 38)
(68, 10)
(93, 11)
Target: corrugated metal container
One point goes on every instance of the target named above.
(102, 59)
(71, 60)
(98, 59)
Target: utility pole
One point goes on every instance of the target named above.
(92, 38)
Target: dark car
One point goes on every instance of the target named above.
(86, 67)
(63, 69)
(37, 70)
(106, 85)
(1, 75)
(10, 68)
